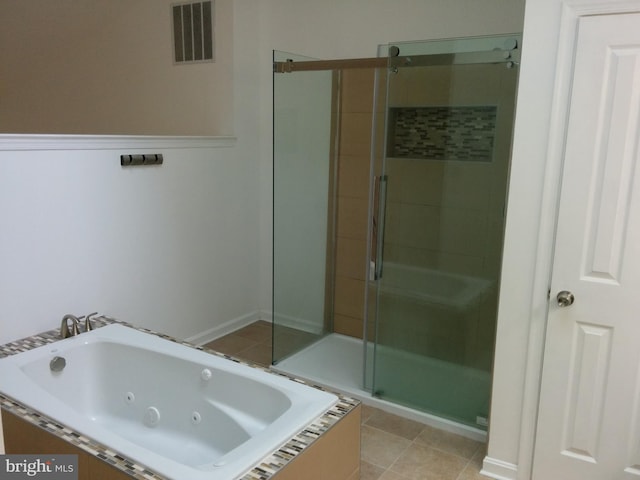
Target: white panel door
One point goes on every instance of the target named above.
(589, 415)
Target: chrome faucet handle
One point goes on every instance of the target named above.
(65, 332)
(88, 326)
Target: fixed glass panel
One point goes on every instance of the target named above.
(303, 207)
(448, 143)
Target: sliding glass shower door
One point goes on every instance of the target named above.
(449, 123)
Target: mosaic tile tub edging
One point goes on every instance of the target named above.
(263, 470)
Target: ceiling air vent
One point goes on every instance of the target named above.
(193, 32)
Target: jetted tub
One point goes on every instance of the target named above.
(182, 412)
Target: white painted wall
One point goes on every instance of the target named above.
(167, 247)
(339, 29)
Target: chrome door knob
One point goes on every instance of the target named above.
(565, 298)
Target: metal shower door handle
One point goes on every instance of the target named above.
(382, 205)
(565, 298)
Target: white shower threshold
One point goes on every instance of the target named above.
(336, 362)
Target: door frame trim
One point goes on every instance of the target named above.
(527, 263)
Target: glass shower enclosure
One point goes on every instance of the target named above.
(303, 207)
(390, 181)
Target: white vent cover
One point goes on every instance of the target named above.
(192, 32)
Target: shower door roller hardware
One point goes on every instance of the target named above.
(565, 298)
(146, 159)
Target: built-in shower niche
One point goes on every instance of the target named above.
(461, 133)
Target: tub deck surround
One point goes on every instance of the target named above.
(265, 469)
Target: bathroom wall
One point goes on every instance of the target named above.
(106, 67)
(169, 248)
(172, 248)
(354, 160)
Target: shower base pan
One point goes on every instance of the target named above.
(336, 361)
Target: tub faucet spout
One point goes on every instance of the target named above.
(65, 331)
(88, 326)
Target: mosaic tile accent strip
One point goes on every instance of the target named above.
(263, 470)
(444, 133)
(84, 443)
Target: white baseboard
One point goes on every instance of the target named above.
(494, 468)
(225, 328)
(298, 324)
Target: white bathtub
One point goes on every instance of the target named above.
(177, 410)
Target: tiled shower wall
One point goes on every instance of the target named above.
(356, 116)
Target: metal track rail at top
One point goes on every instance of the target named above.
(462, 58)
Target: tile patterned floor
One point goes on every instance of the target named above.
(251, 343)
(393, 447)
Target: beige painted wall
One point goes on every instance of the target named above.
(106, 67)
